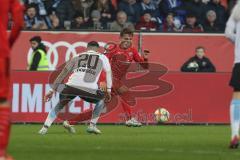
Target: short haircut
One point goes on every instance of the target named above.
(93, 44)
(170, 14)
(126, 31)
(36, 39)
(31, 6)
(211, 12)
(199, 47)
(121, 12)
(191, 15)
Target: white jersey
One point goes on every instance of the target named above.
(85, 70)
(232, 32)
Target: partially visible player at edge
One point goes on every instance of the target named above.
(84, 71)
(15, 8)
(126, 49)
(232, 32)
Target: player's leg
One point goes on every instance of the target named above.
(52, 115)
(127, 101)
(92, 128)
(98, 99)
(5, 112)
(5, 109)
(235, 120)
(122, 90)
(235, 107)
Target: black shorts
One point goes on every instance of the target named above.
(235, 79)
(69, 93)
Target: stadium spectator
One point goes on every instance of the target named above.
(191, 24)
(167, 6)
(40, 6)
(83, 6)
(107, 10)
(41, 10)
(210, 24)
(216, 6)
(55, 24)
(121, 22)
(175, 6)
(171, 24)
(78, 21)
(62, 8)
(198, 63)
(197, 8)
(32, 20)
(130, 7)
(145, 23)
(148, 6)
(94, 22)
(38, 60)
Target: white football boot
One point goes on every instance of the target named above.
(43, 131)
(93, 129)
(133, 123)
(68, 127)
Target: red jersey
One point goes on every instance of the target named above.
(121, 59)
(15, 8)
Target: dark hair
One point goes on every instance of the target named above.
(126, 31)
(36, 38)
(146, 12)
(199, 47)
(191, 15)
(171, 13)
(78, 14)
(31, 6)
(93, 44)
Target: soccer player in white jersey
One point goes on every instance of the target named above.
(232, 32)
(84, 71)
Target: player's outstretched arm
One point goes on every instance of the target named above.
(145, 58)
(68, 68)
(145, 54)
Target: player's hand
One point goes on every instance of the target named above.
(108, 97)
(103, 86)
(48, 96)
(145, 53)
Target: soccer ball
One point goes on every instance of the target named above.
(161, 115)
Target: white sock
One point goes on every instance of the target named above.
(52, 115)
(97, 112)
(50, 118)
(235, 117)
(94, 120)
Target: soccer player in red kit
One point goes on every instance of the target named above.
(120, 58)
(15, 8)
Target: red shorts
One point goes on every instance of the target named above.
(127, 95)
(4, 78)
(116, 85)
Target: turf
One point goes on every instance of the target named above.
(119, 143)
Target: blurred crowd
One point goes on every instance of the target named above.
(114, 15)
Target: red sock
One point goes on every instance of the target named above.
(127, 109)
(4, 129)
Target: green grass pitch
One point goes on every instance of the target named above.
(123, 143)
